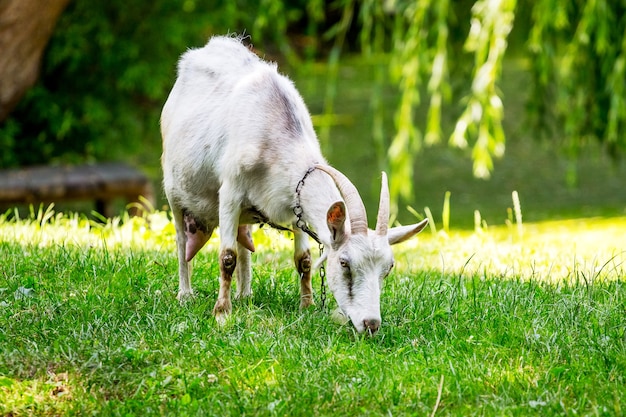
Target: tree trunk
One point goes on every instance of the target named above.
(25, 28)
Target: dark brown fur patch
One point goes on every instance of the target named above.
(303, 262)
(192, 224)
(228, 262)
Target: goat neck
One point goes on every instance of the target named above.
(317, 194)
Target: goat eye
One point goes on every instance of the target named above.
(344, 263)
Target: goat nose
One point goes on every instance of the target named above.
(371, 325)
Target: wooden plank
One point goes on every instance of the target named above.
(12, 185)
(104, 182)
(121, 178)
(46, 183)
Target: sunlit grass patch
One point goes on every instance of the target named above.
(580, 249)
(49, 394)
(585, 249)
(153, 230)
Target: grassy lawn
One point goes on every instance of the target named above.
(504, 320)
(495, 319)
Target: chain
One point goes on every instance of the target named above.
(301, 224)
(323, 279)
(298, 211)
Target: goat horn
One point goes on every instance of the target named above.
(354, 203)
(382, 221)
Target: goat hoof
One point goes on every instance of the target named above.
(221, 319)
(222, 309)
(306, 302)
(243, 295)
(184, 296)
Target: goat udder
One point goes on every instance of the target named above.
(195, 242)
(244, 237)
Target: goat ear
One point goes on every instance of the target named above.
(335, 218)
(401, 233)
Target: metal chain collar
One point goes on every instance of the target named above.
(301, 224)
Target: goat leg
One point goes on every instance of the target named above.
(184, 267)
(302, 259)
(244, 267)
(229, 212)
(228, 262)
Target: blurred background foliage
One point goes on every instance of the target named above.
(110, 64)
(108, 69)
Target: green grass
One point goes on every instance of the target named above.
(508, 320)
(494, 322)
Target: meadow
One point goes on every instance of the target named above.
(486, 313)
(514, 319)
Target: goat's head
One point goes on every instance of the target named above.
(358, 258)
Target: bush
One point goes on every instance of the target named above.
(108, 69)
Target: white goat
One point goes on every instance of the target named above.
(237, 143)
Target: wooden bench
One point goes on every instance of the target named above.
(102, 183)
